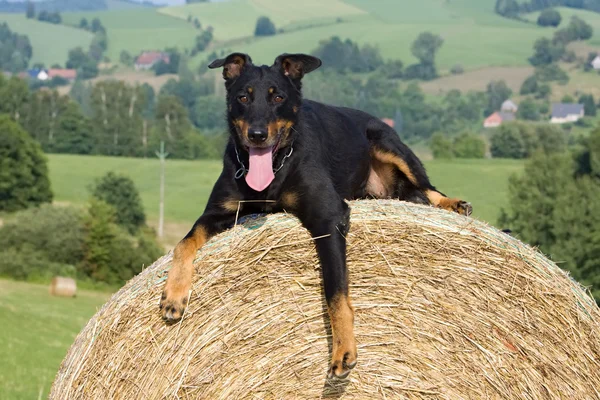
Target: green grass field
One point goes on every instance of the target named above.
(51, 43)
(473, 35)
(138, 29)
(37, 330)
(188, 183)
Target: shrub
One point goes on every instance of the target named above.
(468, 145)
(23, 171)
(120, 192)
(264, 27)
(457, 69)
(549, 17)
(441, 147)
(529, 86)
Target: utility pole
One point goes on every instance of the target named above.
(161, 210)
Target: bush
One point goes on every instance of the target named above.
(522, 140)
(264, 27)
(529, 86)
(549, 17)
(23, 171)
(551, 72)
(120, 192)
(589, 104)
(457, 69)
(441, 147)
(469, 145)
(528, 110)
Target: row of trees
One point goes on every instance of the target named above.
(548, 51)
(15, 50)
(555, 205)
(348, 56)
(512, 8)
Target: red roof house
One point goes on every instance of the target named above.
(497, 118)
(389, 121)
(147, 59)
(68, 74)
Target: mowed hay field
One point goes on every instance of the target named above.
(37, 330)
(188, 183)
(51, 43)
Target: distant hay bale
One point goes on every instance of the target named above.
(64, 287)
(447, 307)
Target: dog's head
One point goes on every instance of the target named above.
(263, 103)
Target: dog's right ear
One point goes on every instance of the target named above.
(233, 65)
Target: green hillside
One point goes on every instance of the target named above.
(474, 35)
(138, 29)
(188, 183)
(51, 43)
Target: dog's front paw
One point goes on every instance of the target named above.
(463, 208)
(343, 358)
(173, 302)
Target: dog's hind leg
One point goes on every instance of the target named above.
(396, 172)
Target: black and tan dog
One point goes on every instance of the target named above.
(306, 158)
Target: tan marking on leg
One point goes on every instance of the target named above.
(399, 163)
(289, 200)
(179, 281)
(450, 204)
(231, 205)
(344, 353)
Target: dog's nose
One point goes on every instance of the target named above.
(257, 135)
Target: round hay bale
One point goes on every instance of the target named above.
(64, 287)
(446, 307)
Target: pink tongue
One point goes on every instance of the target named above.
(260, 174)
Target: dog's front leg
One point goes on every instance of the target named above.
(219, 215)
(329, 220)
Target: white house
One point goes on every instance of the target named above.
(596, 63)
(509, 106)
(42, 75)
(562, 113)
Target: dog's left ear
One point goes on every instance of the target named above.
(233, 65)
(296, 65)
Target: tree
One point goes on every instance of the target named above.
(529, 86)
(468, 145)
(579, 29)
(23, 170)
(532, 198)
(426, 46)
(497, 92)
(120, 192)
(528, 110)
(97, 26)
(83, 24)
(441, 147)
(567, 99)
(507, 142)
(348, 56)
(203, 40)
(549, 17)
(264, 27)
(507, 8)
(546, 52)
(126, 58)
(30, 10)
(84, 64)
(73, 132)
(589, 105)
(543, 91)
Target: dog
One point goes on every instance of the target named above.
(306, 158)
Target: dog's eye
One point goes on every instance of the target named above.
(243, 99)
(278, 99)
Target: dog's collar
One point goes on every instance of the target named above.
(242, 171)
